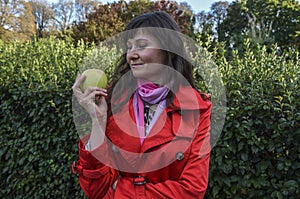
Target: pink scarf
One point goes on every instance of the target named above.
(150, 93)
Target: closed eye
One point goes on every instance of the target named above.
(137, 45)
(142, 45)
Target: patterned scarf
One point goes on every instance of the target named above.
(150, 93)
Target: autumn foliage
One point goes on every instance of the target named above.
(110, 19)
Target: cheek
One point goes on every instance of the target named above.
(154, 56)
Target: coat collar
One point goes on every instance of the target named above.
(188, 98)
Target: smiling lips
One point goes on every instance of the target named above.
(136, 65)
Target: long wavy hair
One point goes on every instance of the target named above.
(162, 26)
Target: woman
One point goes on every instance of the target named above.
(150, 129)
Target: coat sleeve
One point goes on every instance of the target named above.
(95, 178)
(193, 180)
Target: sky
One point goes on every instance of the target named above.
(200, 5)
(197, 5)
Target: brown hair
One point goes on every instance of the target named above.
(162, 26)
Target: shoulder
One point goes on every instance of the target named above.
(189, 98)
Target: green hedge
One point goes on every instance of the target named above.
(38, 142)
(257, 155)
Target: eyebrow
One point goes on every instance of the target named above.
(137, 40)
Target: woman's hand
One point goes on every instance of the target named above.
(93, 101)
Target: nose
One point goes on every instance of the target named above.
(132, 55)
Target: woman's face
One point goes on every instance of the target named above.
(146, 58)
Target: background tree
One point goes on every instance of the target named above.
(263, 21)
(182, 13)
(208, 24)
(204, 28)
(16, 20)
(43, 14)
(285, 22)
(64, 13)
(234, 25)
(109, 19)
(218, 11)
(83, 8)
(102, 23)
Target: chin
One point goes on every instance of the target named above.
(138, 74)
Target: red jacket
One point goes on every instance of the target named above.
(173, 161)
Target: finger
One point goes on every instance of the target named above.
(98, 98)
(76, 87)
(91, 89)
(102, 101)
(87, 99)
(96, 94)
(101, 89)
(103, 92)
(79, 80)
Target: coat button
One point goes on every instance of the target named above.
(179, 156)
(114, 148)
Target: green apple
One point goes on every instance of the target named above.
(94, 78)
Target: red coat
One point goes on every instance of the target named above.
(173, 161)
